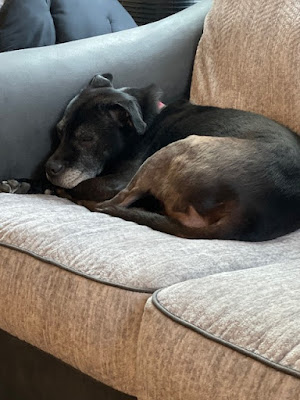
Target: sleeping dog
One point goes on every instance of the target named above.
(214, 173)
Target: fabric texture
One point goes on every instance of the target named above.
(63, 271)
(35, 23)
(123, 253)
(249, 58)
(260, 313)
(210, 328)
(177, 363)
(25, 24)
(91, 326)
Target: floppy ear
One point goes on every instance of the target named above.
(148, 99)
(99, 81)
(128, 112)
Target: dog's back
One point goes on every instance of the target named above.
(182, 119)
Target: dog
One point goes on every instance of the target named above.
(214, 173)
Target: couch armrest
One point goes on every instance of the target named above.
(36, 84)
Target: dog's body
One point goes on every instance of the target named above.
(212, 188)
(217, 173)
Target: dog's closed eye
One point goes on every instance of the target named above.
(85, 138)
(84, 134)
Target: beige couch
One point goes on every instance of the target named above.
(155, 316)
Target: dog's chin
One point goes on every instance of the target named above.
(70, 178)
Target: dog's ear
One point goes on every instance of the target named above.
(99, 81)
(148, 99)
(128, 112)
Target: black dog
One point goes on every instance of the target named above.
(111, 132)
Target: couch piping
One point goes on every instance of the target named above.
(66, 268)
(246, 352)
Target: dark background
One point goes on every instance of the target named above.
(145, 11)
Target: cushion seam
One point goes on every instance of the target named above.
(69, 269)
(279, 367)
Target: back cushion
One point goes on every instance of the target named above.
(249, 58)
(34, 23)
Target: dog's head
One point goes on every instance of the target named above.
(97, 126)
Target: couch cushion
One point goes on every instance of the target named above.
(122, 253)
(75, 283)
(234, 335)
(26, 24)
(37, 23)
(89, 325)
(80, 19)
(249, 58)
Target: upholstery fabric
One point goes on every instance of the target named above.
(123, 253)
(26, 24)
(35, 23)
(233, 335)
(249, 58)
(91, 326)
(63, 271)
(79, 19)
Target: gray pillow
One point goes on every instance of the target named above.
(34, 23)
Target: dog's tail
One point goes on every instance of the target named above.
(225, 228)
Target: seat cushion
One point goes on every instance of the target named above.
(75, 283)
(122, 253)
(249, 58)
(233, 335)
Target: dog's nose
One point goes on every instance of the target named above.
(54, 168)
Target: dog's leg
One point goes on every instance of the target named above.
(125, 198)
(220, 229)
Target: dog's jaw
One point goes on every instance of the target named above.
(70, 178)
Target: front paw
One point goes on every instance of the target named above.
(14, 186)
(60, 192)
(89, 204)
(103, 205)
(114, 211)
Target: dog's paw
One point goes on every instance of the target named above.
(60, 192)
(113, 211)
(103, 205)
(14, 186)
(89, 204)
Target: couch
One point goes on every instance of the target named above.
(92, 306)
